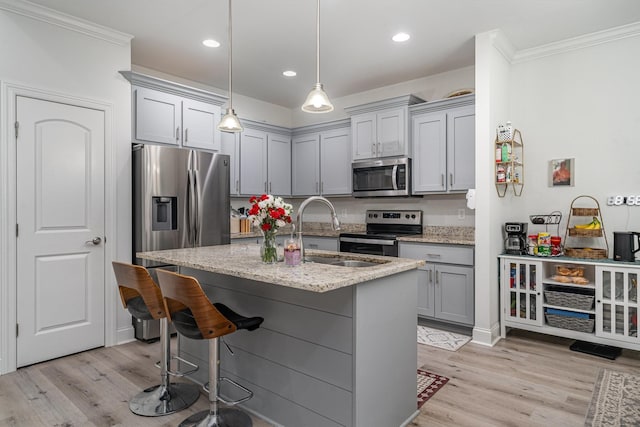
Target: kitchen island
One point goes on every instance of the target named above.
(337, 346)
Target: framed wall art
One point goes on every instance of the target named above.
(561, 172)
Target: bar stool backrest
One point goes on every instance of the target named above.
(135, 281)
(184, 292)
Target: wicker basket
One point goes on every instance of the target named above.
(585, 232)
(588, 253)
(572, 323)
(585, 211)
(569, 300)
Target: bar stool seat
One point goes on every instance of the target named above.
(142, 297)
(196, 317)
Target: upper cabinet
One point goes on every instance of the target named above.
(380, 129)
(265, 160)
(443, 137)
(170, 113)
(321, 162)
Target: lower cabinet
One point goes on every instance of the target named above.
(446, 283)
(587, 300)
(322, 243)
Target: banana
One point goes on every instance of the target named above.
(593, 225)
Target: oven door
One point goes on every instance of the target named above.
(382, 178)
(362, 245)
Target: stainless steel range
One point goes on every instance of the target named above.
(383, 228)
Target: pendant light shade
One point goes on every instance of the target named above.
(317, 101)
(230, 122)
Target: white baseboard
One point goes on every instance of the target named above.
(125, 335)
(488, 337)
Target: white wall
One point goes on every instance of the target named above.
(576, 99)
(59, 60)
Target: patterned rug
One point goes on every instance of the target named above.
(615, 400)
(441, 339)
(428, 384)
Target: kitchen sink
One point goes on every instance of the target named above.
(340, 261)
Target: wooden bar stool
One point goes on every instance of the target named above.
(142, 297)
(195, 317)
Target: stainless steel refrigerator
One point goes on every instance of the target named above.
(180, 200)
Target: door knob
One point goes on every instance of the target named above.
(96, 240)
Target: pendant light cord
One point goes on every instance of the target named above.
(318, 42)
(230, 58)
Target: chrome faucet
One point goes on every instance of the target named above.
(335, 224)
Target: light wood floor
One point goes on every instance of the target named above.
(525, 380)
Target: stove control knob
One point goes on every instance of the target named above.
(407, 216)
(413, 216)
(375, 215)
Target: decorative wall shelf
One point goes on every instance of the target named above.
(509, 170)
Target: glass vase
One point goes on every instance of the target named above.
(269, 247)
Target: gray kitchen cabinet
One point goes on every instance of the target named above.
(265, 161)
(170, 113)
(443, 138)
(321, 243)
(446, 282)
(321, 160)
(230, 145)
(380, 129)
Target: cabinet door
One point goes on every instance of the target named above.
(321, 243)
(461, 142)
(426, 282)
(522, 291)
(429, 133)
(158, 116)
(391, 133)
(229, 145)
(363, 134)
(279, 164)
(253, 162)
(199, 122)
(305, 180)
(335, 162)
(617, 303)
(453, 293)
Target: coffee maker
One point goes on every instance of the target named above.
(624, 245)
(515, 242)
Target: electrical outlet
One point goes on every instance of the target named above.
(461, 213)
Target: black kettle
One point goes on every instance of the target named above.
(623, 245)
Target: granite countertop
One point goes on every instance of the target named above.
(243, 260)
(430, 233)
(443, 234)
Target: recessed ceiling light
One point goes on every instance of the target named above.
(401, 37)
(210, 43)
(289, 73)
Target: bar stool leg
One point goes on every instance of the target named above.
(215, 416)
(165, 398)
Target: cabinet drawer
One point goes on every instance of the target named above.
(462, 255)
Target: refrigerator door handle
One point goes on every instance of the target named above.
(188, 209)
(196, 209)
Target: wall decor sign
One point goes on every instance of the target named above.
(561, 172)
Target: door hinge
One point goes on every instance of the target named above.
(16, 125)
(17, 231)
(17, 330)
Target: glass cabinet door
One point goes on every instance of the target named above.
(617, 303)
(522, 286)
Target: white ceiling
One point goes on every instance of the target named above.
(357, 54)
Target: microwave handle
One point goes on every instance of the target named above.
(394, 177)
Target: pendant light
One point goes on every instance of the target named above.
(317, 100)
(230, 122)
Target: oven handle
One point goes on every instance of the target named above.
(394, 177)
(368, 241)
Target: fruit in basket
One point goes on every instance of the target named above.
(593, 225)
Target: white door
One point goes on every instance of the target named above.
(60, 212)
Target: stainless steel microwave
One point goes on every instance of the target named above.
(382, 177)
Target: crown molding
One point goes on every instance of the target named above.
(178, 89)
(502, 45)
(53, 17)
(580, 42)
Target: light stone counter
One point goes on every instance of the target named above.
(243, 261)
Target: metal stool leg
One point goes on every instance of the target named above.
(165, 398)
(215, 416)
